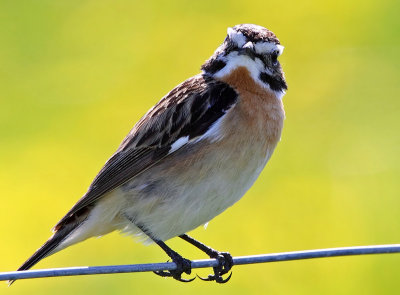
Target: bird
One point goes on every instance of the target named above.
(190, 157)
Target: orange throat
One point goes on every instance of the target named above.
(259, 109)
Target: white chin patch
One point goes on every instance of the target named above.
(235, 60)
(238, 38)
(267, 47)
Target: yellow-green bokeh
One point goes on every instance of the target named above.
(76, 75)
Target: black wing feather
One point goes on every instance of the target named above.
(190, 109)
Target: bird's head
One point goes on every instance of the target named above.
(253, 47)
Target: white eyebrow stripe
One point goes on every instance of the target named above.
(268, 47)
(236, 37)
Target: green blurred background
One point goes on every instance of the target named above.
(76, 75)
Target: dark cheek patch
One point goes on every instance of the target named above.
(276, 83)
(214, 66)
(262, 59)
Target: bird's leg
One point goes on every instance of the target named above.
(224, 258)
(183, 265)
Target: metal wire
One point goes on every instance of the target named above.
(263, 258)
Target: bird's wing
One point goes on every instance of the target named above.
(184, 114)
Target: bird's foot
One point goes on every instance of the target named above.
(224, 266)
(183, 265)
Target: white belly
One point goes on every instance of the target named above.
(192, 194)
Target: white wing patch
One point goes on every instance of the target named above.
(214, 132)
(178, 144)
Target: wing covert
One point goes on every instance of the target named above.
(189, 110)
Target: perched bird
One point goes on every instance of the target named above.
(190, 157)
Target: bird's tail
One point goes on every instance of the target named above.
(50, 247)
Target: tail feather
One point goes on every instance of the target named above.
(52, 243)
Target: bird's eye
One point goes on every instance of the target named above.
(274, 58)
